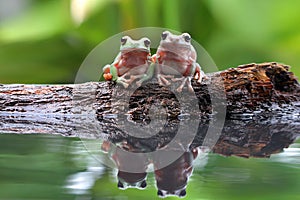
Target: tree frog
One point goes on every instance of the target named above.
(132, 61)
(173, 179)
(131, 167)
(175, 56)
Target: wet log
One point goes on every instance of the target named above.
(266, 93)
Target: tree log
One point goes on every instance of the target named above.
(261, 104)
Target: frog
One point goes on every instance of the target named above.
(175, 56)
(131, 167)
(132, 61)
(172, 180)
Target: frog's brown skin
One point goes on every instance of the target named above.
(125, 161)
(177, 56)
(132, 61)
(173, 179)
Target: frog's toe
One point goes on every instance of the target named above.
(139, 83)
(201, 77)
(123, 82)
(190, 87)
(133, 78)
(107, 76)
(185, 80)
(199, 80)
(166, 82)
(179, 89)
(163, 81)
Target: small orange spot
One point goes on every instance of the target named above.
(153, 58)
(107, 70)
(107, 76)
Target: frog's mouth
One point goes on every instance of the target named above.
(176, 48)
(177, 192)
(129, 50)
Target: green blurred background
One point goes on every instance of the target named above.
(46, 41)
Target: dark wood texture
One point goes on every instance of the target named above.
(262, 102)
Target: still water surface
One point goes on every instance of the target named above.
(54, 167)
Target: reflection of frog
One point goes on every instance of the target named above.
(131, 167)
(132, 61)
(173, 179)
(176, 56)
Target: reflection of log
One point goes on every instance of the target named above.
(254, 91)
(257, 137)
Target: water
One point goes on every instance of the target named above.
(55, 167)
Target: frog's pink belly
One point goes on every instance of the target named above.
(133, 63)
(173, 68)
(133, 70)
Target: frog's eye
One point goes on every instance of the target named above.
(123, 40)
(182, 193)
(120, 185)
(143, 184)
(147, 42)
(164, 35)
(160, 193)
(187, 37)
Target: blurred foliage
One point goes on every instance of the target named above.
(46, 41)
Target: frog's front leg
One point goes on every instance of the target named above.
(149, 74)
(115, 76)
(185, 80)
(106, 73)
(189, 84)
(199, 74)
(131, 79)
(162, 79)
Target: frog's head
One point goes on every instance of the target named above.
(175, 43)
(164, 193)
(131, 180)
(171, 182)
(173, 179)
(128, 44)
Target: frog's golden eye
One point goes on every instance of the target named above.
(123, 40)
(147, 42)
(164, 35)
(187, 37)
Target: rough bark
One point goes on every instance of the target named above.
(261, 103)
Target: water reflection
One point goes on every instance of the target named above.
(258, 138)
(174, 179)
(136, 176)
(170, 180)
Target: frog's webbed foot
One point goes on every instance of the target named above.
(133, 78)
(122, 81)
(142, 78)
(189, 84)
(163, 79)
(125, 81)
(184, 80)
